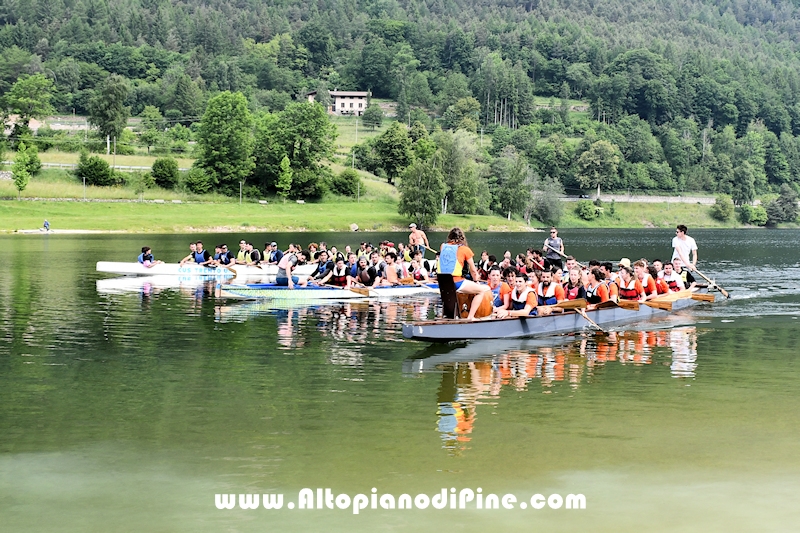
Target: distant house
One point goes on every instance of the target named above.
(345, 102)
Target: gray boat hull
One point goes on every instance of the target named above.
(514, 328)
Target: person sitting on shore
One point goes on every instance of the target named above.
(338, 275)
(573, 288)
(596, 290)
(630, 288)
(673, 280)
(290, 260)
(189, 258)
(522, 300)
(146, 258)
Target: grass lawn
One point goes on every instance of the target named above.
(54, 156)
(647, 215)
(346, 127)
(179, 218)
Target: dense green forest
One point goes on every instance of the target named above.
(682, 94)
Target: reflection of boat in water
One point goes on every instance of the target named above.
(192, 269)
(443, 330)
(241, 311)
(271, 291)
(137, 284)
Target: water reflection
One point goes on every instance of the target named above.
(476, 374)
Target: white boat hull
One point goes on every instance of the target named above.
(192, 269)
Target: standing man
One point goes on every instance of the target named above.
(553, 249)
(683, 245)
(417, 240)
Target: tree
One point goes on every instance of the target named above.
(373, 116)
(284, 184)
(722, 209)
(511, 171)
(30, 97)
(107, 109)
(422, 189)
(225, 141)
(783, 208)
(598, 165)
(744, 188)
(20, 170)
(165, 172)
(393, 148)
(303, 132)
(94, 170)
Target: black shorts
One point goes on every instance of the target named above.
(549, 263)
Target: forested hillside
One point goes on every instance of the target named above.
(688, 94)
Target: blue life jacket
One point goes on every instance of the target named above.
(448, 263)
(519, 304)
(142, 258)
(200, 257)
(549, 297)
(496, 292)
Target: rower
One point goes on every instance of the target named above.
(225, 256)
(606, 269)
(686, 276)
(324, 266)
(549, 293)
(596, 290)
(146, 258)
(417, 271)
(501, 291)
(338, 275)
(240, 255)
(647, 281)
(352, 264)
(252, 255)
(574, 289)
(275, 254)
(629, 287)
(658, 264)
(661, 285)
(202, 257)
(289, 261)
(673, 280)
(392, 273)
(522, 300)
(683, 246)
(366, 274)
(189, 258)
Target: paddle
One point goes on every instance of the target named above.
(592, 322)
(629, 305)
(578, 303)
(562, 254)
(362, 292)
(712, 283)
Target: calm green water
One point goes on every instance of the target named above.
(127, 408)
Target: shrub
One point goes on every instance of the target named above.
(586, 210)
(757, 216)
(95, 170)
(722, 209)
(347, 183)
(165, 172)
(783, 208)
(197, 181)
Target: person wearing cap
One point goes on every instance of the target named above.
(553, 250)
(417, 240)
(275, 254)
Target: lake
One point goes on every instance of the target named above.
(132, 408)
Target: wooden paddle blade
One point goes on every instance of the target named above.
(362, 292)
(608, 304)
(406, 281)
(630, 305)
(704, 297)
(666, 306)
(579, 303)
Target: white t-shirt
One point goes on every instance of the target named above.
(684, 245)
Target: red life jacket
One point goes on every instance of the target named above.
(572, 294)
(629, 292)
(339, 278)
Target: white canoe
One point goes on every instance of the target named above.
(274, 292)
(192, 269)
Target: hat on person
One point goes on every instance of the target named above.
(412, 225)
(273, 243)
(624, 262)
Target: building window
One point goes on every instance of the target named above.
(359, 105)
(342, 105)
(351, 105)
